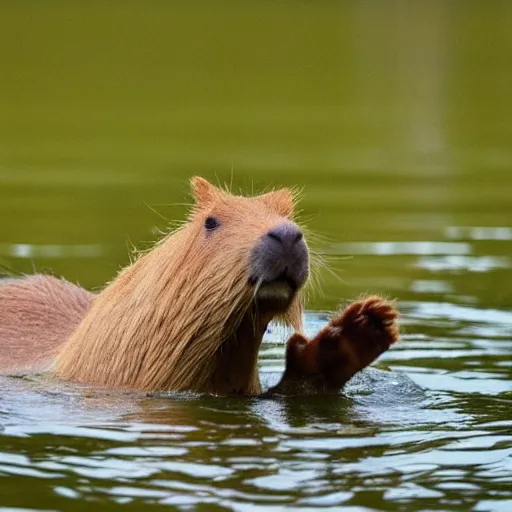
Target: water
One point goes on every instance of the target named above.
(395, 121)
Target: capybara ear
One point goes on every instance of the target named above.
(280, 201)
(204, 192)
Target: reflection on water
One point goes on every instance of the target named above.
(31, 251)
(394, 117)
(479, 233)
(465, 263)
(387, 248)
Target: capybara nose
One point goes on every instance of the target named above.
(281, 254)
(287, 234)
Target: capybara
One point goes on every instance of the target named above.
(190, 313)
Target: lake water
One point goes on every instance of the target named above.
(393, 118)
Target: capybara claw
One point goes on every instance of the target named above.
(373, 318)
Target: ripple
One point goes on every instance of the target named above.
(435, 427)
(432, 310)
(402, 248)
(28, 251)
(479, 232)
(464, 263)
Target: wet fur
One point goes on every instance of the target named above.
(37, 314)
(352, 340)
(182, 316)
(172, 320)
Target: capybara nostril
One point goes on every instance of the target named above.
(287, 234)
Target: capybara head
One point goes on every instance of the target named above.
(255, 238)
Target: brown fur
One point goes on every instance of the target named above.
(183, 316)
(351, 341)
(37, 313)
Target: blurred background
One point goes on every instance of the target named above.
(393, 117)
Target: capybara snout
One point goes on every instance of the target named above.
(281, 254)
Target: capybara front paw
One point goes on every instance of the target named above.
(355, 337)
(372, 321)
(351, 340)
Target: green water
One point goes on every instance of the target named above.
(393, 118)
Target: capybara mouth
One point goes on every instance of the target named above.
(276, 294)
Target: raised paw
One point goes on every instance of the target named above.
(355, 337)
(371, 320)
(351, 340)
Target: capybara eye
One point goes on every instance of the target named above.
(211, 223)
